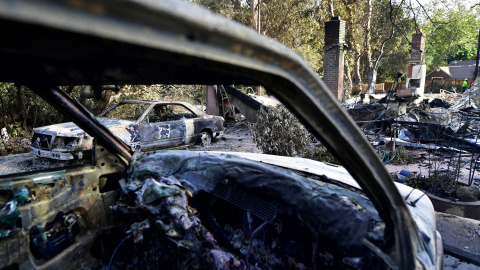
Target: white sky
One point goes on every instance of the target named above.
(423, 2)
(438, 4)
(468, 3)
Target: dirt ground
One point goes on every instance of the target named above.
(236, 138)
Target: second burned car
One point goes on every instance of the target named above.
(143, 125)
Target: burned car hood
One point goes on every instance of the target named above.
(70, 129)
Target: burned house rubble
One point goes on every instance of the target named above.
(439, 130)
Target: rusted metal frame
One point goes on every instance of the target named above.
(203, 37)
(145, 113)
(84, 119)
(447, 136)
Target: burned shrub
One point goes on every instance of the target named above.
(278, 132)
(320, 153)
(403, 157)
(439, 183)
(14, 145)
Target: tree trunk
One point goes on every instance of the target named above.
(353, 64)
(21, 100)
(372, 80)
(330, 8)
(4, 117)
(21, 105)
(372, 75)
(12, 97)
(255, 23)
(368, 49)
(348, 90)
(60, 118)
(478, 58)
(357, 78)
(255, 14)
(35, 110)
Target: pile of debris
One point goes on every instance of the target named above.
(440, 131)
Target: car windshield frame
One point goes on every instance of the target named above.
(136, 118)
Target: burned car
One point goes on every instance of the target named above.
(185, 209)
(243, 210)
(142, 125)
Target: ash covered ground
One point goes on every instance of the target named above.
(236, 138)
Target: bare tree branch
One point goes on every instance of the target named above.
(383, 46)
(395, 25)
(372, 75)
(414, 15)
(426, 13)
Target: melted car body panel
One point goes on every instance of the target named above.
(162, 134)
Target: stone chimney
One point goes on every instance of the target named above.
(333, 59)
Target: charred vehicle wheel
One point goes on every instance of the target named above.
(205, 138)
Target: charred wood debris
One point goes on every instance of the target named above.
(438, 131)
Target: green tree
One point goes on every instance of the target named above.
(452, 33)
(396, 53)
(296, 23)
(389, 48)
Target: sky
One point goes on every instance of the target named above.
(439, 4)
(469, 2)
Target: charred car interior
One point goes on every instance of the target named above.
(176, 209)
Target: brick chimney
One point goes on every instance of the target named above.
(333, 59)
(416, 72)
(418, 48)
